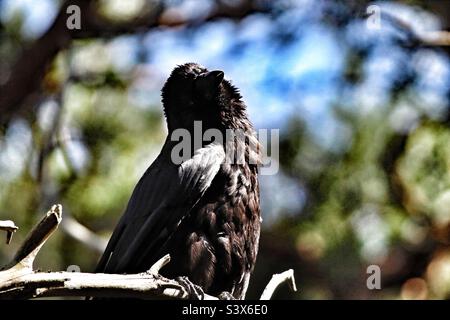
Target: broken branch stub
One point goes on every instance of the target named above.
(9, 227)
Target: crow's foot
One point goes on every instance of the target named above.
(225, 295)
(194, 291)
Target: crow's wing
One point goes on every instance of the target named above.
(162, 198)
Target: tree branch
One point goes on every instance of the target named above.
(27, 253)
(9, 227)
(82, 234)
(276, 281)
(149, 285)
(427, 38)
(20, 281)
(28, 71)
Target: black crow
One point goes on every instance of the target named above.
(205, 210)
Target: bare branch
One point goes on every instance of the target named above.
(31, 246)
(9, 227)
(79, 232)
(275, 282)
(437, 38)
(159, 264)
(29, 69)
(142, 286)
(424, 38)
(21, 282)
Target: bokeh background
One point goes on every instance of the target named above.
(362, 106)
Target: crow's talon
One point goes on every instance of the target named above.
(155, 276)
(225, 295)
(194, 291)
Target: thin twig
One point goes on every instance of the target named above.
(275, 282)
(439, 38)
(159, 264)
(79, 232)
(9, 227)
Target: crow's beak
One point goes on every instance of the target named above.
(215, 77)
(207, 84)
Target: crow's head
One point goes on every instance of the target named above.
(193, 93)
